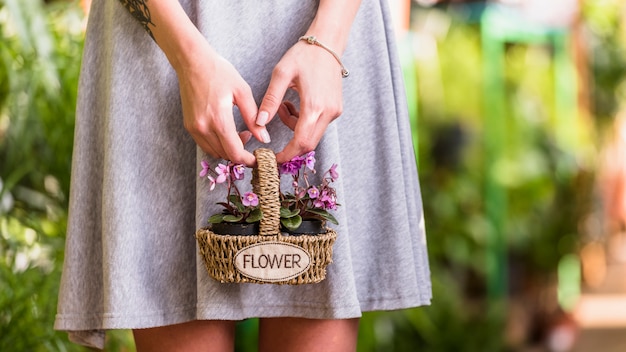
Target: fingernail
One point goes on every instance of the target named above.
(265, 136)
(261, 119)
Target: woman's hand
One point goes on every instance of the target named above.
(209, 85)
(209, 88)
(316, 76)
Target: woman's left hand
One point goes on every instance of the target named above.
(316, 76)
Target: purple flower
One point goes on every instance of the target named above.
(238, 171)
(309, 160)
(291, 167)
(205, 168)
(326, 200)
(319, 203)
(313, 192)
(333, 172)
(222, 173)
(250, 199)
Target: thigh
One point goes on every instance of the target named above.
(307, 335)
(200, 335)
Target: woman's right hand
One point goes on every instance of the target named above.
(209, 85)
(209, 88)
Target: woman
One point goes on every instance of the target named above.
(131, 260)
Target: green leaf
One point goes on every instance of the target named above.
(236, 201)
(233, 218)
(286, 213)
(255, 215)
(216, 219)
(292, 223)
(233, 198)
(326, 215)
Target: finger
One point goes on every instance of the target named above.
(234, 151)
(230, 140)
(244, 100)
(212, 144)
(291, 108)
(307, 134)
(291, 150)
(204, 143)
(279, 83)
(289, 118)
(245, 136)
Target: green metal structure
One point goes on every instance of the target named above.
(501, 26)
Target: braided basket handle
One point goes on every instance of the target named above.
(266, 184)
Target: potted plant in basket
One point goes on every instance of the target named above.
(240, 209)
(304, 210)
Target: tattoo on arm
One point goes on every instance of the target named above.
(139, 10)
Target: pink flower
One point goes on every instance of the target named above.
(212, 186)
(238, 171)
(250, 199)
(326, 200)
(333, 172)
(293, 166)
(313, 192)
(309, 160)
(205, 168)
(289, 168)
(222, 173)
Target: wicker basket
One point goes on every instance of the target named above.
(268, 257)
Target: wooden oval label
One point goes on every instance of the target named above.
(272, 261)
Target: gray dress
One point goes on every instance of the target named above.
(136, 198)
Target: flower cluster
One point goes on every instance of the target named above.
(308, 201)
(238, 208)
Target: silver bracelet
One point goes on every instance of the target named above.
(313, 41)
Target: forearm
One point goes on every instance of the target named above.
(168, 24)
(332, 22)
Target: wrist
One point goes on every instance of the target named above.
(332, 23)
(312, 40)
(333, 39)
(177, 36)
(187, 51)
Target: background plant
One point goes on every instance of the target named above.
(548, 184)
(40, 50)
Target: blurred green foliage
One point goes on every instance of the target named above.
(604, 20)
(548, 184)
(39, 54)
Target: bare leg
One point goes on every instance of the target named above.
(307, 335)
(201, 335)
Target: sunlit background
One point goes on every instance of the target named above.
(519, 123)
